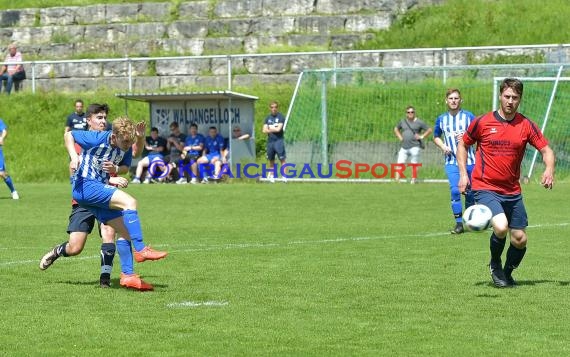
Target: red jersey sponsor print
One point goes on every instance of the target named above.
(500, 149)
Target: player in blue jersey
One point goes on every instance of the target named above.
(3, 173)
(155, 146)
(273, 126)
(193, 147)
(449, 129)
(214, 144)
(82, 221)
(102, 152)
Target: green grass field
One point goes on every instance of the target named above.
(297, 269)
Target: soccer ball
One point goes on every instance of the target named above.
(477, 218)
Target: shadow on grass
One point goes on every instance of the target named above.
(114, 284)
(521, 283)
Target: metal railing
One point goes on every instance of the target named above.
(335, 58)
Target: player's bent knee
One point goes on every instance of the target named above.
(73, 248)
(107, 234)
(518, 238)
(501, 231)
(129, 203)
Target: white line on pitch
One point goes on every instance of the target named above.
(198, 304)
(272, 245)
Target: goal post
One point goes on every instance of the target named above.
(349, 114)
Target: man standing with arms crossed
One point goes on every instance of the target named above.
(501, 137)
(273, 127)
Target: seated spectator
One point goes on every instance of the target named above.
(12, 72)
(174, 147)
(154, 147)
(237, 134)
(214, 145)
(193, 147)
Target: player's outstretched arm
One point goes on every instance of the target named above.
(69, 141)
(549, 159)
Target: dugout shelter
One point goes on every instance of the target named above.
(222, 109)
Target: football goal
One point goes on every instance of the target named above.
(341, 121)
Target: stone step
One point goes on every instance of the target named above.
(198, 29)
(202, 9)
(190, 46)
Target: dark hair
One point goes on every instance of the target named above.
(97, 108)
(154, 128)
(194, 125)
(513, 83)
(212, 127)
(174, 124)
(78, 101)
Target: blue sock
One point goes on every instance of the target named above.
(133, 224)
(456, 209)
(125, 255)
(456, 205)
(9, 183)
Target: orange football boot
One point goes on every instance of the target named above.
(134, 281)
(149, 254)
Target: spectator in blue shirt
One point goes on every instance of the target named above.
(214, 145)
(193, 147)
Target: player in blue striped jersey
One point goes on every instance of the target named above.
(102, 152)
(449, 128)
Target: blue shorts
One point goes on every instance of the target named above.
(80, 220)
(2, 167)
(511, 205)
(213, 156)
(452, 172)
(96, 197)
(276, 147)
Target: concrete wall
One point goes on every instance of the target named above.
(223, 27)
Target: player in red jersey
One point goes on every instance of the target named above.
(501, 137)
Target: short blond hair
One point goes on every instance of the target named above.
(124, 128)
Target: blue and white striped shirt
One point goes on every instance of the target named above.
(97, 149)
(450, 126)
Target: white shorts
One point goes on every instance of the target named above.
(412, 153)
